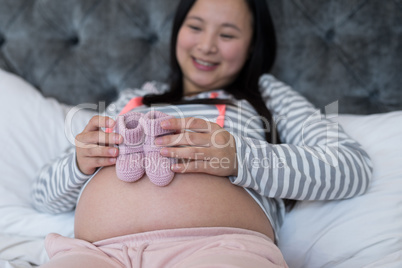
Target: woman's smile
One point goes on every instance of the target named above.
(204, 65)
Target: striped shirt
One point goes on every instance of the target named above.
(317, 160)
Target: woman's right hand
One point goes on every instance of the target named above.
(94, 147)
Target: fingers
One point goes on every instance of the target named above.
(102, 155)
(190, 153)
(201, 147)
(185, 138)
(93, 135)
(94, 147)
(219, 139)
(214, 166)
(190, 123)
(101, 152)
(91, 158)
(93, 138)
(202, 160)
(98, 122)
(199, 133)
(91, 163)
(100, 161)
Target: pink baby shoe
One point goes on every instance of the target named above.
(157, 166)
(129, 164)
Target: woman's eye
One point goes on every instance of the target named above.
(227, 36)
(195, 28)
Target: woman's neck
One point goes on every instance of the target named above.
(189, 89)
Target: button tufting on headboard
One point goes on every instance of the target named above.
(374, 95)
(2, 40)
(153, 38)
(73, 41)
(330, 35)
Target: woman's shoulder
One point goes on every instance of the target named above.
(150, 87)
(268, 84)
(154, 87)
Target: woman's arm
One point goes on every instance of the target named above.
(317, 160)
(58, 184)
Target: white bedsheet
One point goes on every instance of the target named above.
(20, 252)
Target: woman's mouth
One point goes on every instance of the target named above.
(204, 65)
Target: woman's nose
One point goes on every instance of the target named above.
(207, 44)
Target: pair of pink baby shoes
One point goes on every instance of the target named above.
(138, 153)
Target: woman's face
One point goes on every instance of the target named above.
(213, 44)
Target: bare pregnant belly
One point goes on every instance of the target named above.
(109, 207)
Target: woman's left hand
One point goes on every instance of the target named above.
(200, 147)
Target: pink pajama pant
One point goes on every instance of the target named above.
(178, 248)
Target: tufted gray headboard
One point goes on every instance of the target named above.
(87, 50)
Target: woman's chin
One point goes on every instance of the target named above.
(204, 84)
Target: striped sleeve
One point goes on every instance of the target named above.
(58, 185)
(317, 160)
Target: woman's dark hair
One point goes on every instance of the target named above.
(246, 85)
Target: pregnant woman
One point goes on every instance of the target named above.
(230, 177)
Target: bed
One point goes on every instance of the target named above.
(63, 61)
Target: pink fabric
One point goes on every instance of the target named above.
(176, 248)
(157, 167)
(221, 109)
(138, 153)
(129, 164)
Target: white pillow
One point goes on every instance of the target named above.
(33, 133)
(362, 230)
